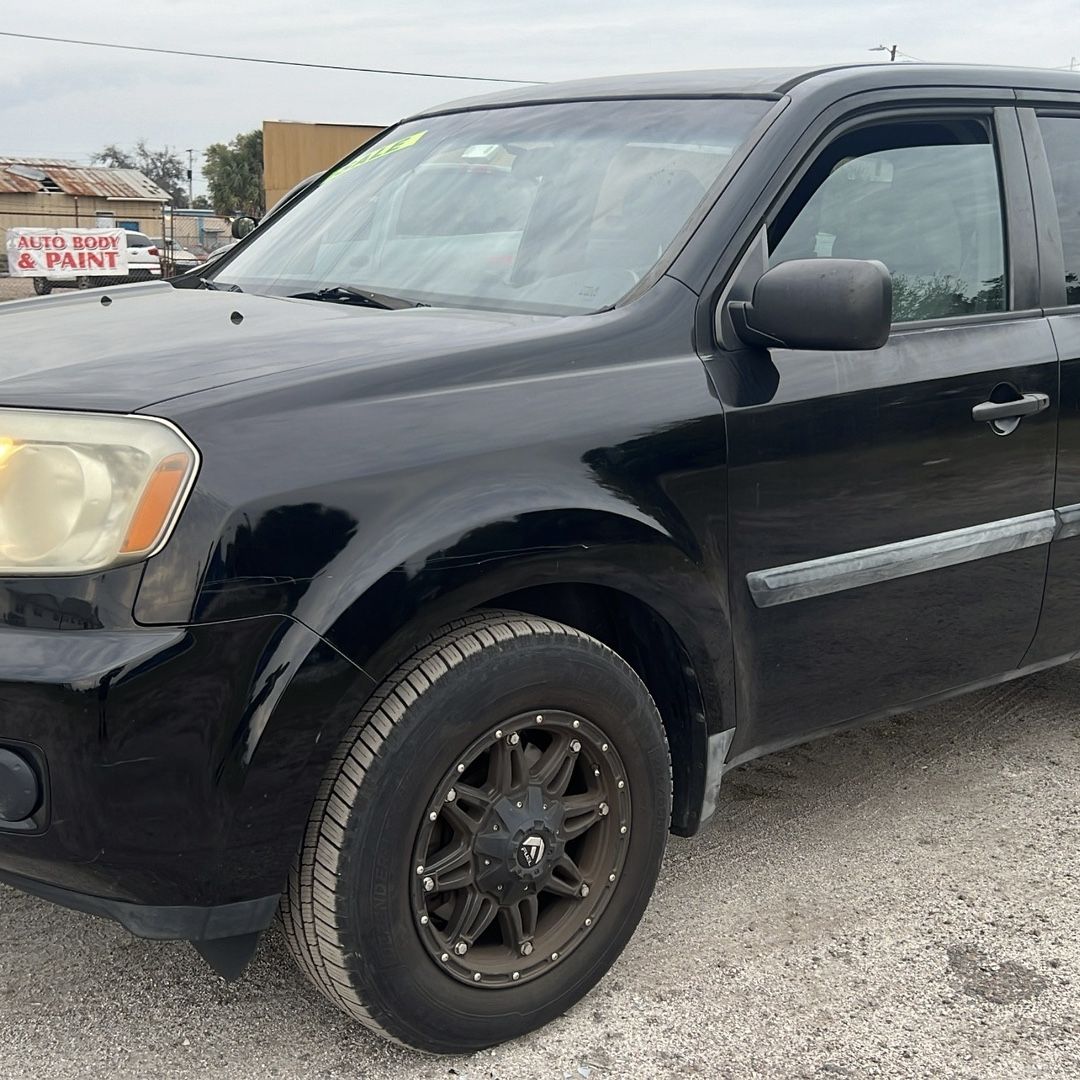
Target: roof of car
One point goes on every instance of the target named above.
(769, 82)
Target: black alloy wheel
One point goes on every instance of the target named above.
(521, 848)
(486, 838)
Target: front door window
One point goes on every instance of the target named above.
(922, 197)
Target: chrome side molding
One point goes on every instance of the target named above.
(852, 569)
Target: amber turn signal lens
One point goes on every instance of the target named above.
(158, 499)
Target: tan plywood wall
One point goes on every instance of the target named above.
(293, 151)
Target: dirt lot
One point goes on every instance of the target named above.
(15, 288)
(900, 901)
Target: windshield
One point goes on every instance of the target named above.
(555, 209)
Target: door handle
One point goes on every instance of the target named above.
(1007, 410)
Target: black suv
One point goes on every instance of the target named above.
(549, 457)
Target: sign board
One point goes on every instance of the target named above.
(67, 253)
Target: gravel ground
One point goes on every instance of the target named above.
(899, 901)
(15, 288)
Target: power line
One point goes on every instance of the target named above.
(263, 59)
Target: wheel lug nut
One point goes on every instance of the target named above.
(623, 830)
(519, 805)
(588, 922)
(429, 884)
(575, 746)
(584, 890)
(554, 956)
(540, 718)
(513, 738)
(451, 795)
(460, 768)
(516, 976)
(487, 862)
(527, 948)
(611, 877)
(603, 746)
(498, 734)
(445, 956)
(461, 948)
(621, 784)
(604, 809)
(419, 869)
(577, 723)
(424, 920)
(476, 976)
(433, 815)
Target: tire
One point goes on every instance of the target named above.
(358, 915)
(42, 286)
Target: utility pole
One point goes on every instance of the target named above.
(190, 176)
(890, 49)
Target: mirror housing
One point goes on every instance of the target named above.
(829, 304)
(243, 226)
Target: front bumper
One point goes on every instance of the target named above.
(159, 922)
(177, 766)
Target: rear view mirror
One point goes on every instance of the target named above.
(817, 304)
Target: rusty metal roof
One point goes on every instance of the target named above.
(55, 176)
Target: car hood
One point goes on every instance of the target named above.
(127, 348)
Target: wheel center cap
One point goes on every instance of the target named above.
(531, 852)
(519, 844)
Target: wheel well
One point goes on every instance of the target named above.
(649, 645)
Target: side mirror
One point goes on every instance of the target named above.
(817, 304)
(243, 226)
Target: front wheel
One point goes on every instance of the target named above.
(486, 839)
(42, 286)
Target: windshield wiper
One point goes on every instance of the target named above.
(213, 286)
(352, 294)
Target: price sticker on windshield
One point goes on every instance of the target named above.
(380, 152)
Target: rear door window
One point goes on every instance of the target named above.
(1061, 136)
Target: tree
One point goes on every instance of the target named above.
(163, 167)
(234, 174)
(201, 202)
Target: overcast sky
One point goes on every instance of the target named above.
(67, 100)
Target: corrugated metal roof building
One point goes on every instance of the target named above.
(53, 193)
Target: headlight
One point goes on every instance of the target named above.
(83, 491)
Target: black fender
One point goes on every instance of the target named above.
(326, 657)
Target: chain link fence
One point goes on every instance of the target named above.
(198, 232)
